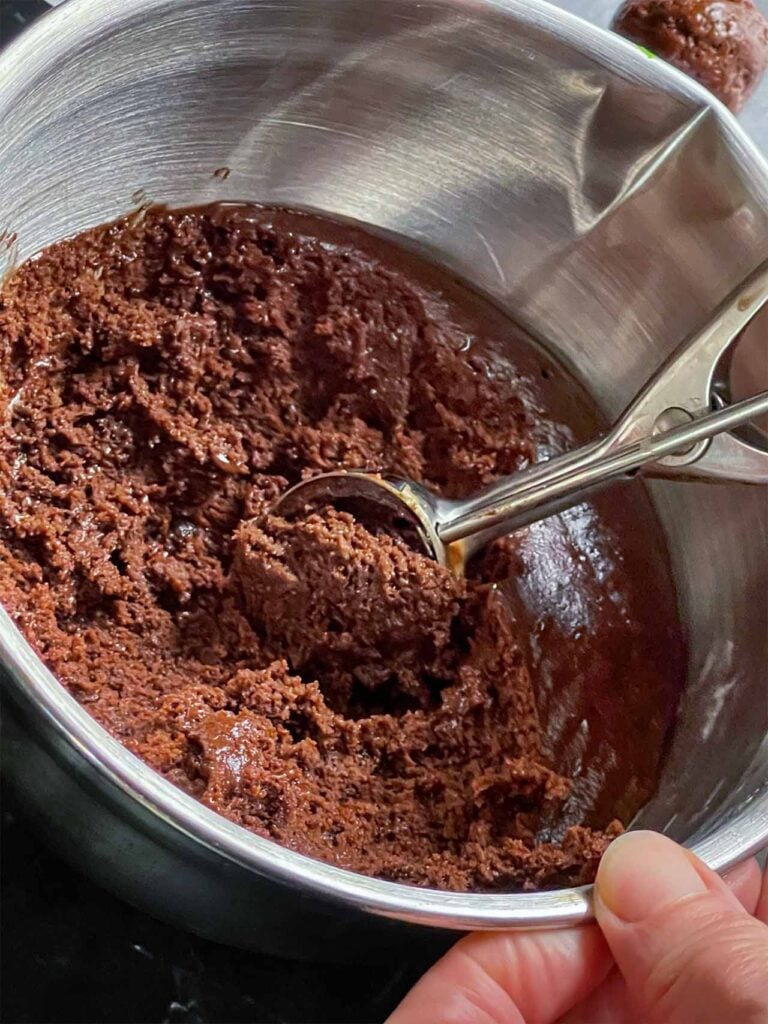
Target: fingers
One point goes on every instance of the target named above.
(508, 978)
(684, 943)
(608, 1004)
(681, 935)
(744, 881)
(762, 904)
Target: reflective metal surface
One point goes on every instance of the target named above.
(686, 385)
(407, 507)
(598, 195)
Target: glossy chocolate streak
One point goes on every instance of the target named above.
(319, 682)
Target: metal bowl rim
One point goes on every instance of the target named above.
(745, 835)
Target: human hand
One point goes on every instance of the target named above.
(673, 944)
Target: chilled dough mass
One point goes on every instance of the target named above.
(317, 681)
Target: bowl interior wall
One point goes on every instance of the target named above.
(607, 214)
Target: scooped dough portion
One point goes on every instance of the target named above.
(363, 612)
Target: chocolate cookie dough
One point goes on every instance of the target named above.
(357, 610)
(318, 681)
(721, 43)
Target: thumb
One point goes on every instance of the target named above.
(688, 950)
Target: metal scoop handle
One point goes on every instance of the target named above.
(561, 482)
(668, 428)
(686, 386)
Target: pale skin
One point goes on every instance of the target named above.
(673, 944)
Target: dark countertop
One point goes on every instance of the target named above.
(74, 954)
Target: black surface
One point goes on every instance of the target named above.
(71, 953)
(16, 14)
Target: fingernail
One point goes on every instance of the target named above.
(642, 871)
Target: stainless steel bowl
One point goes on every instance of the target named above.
(598, 195)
